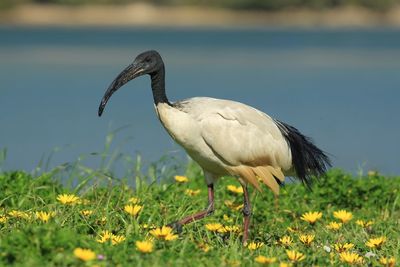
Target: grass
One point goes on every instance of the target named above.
(26, 240)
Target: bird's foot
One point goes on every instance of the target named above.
(176, 226)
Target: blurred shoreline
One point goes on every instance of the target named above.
(178, 16)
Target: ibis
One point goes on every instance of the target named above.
(227, 138)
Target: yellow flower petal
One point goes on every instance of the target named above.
(144, 246)
(306, 239)
(232, 205)
(285, 240)
(235, 189)
(19, 214)
(264, 260)
(389, 262)
(171, 237)
(133, 209)
(295, 256)
(364, 224)
(68, 199)
(84, 254)
(116, 239)
(334, 226)
(375, 242)
(213, 227)
(255, 245)
(343, 247)
(104, 236)
(229, 229)
(343, 215)
(181, 179)
(351, 258)
(3, 219)
(311, 217)
(44, 216)
(164, 233)
(86, 213)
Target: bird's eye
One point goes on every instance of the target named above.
(148, 60)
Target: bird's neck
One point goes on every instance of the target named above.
(158, 87)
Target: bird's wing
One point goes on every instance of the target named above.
(245, 139)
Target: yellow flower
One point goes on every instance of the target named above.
(389, 262)
(181, 179)
(213, 227)
(351, 258)
(44, 216)
(133, 200)
(68, 199)
(3, 219)
(264, 260)
(343, 215)
(255, 245)
(334, 226)
(311, 217)
(105, 236)
(307, 239)
(132, 209)
(229, 229)
(190, 192)
(84, 254)
(171, 237)
(19, 214)
(232, 205)
(144, 246)
(343, 247)
(164, 232)
(375, 242)
(285, 240)
(86, 212)
(204, 247)
(116, 239)
(284, 264)
(235, 189)
(364, 224)
(295, 256)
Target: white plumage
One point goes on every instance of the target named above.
(226, 135)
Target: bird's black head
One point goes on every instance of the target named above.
(149, 62)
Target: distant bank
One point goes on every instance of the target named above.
(149, 15)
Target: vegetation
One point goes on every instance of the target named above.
(74, 215)
(235, 4)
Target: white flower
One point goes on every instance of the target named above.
(327, 249)
(370, 254)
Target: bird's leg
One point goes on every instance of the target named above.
(246, 212)
(177, 226)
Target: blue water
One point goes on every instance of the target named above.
(341, 87)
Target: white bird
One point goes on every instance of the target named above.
(227, 138)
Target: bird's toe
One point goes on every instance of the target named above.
(176, 226)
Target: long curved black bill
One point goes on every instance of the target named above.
(129, 73)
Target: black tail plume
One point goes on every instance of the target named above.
(307, 159)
